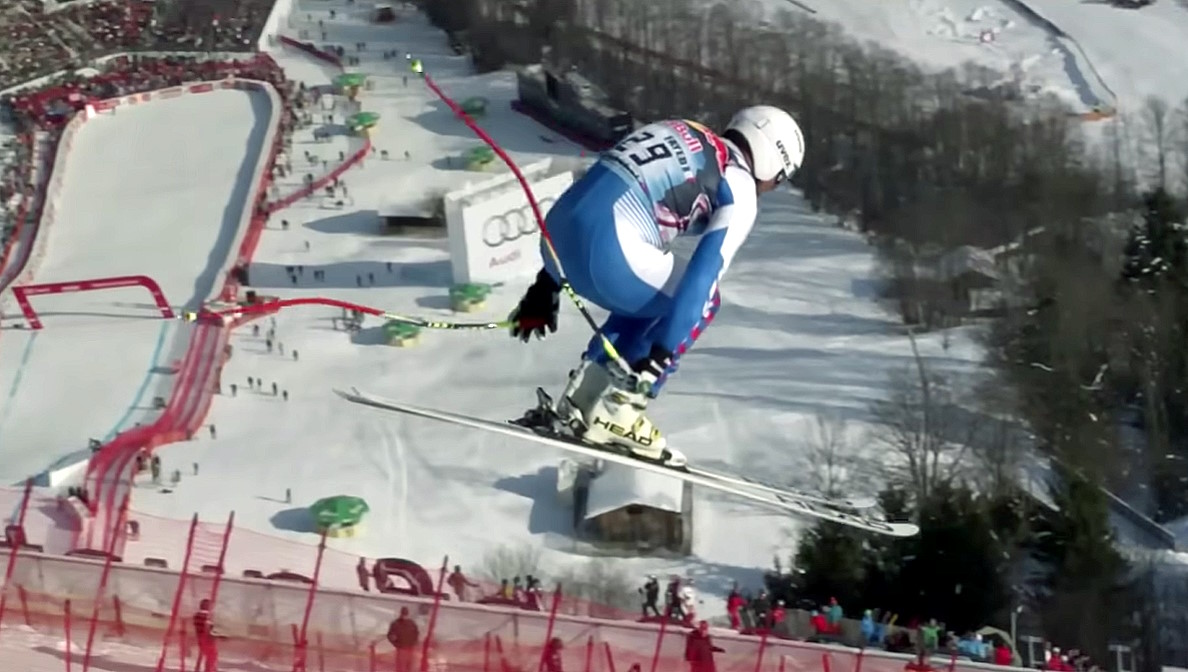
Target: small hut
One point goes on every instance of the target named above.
(401, 334)
(631, 508)
(339, 516)
(469, 297)
(480, 158)
(383, 13)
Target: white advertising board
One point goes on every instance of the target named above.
(497, 239)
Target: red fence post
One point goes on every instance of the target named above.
(177, 595)
(372, 665)
(549, 629)
(487, 652)
(762, 648)
(69, 643)
(121, 519)
(589, 653)
(858, 660)
(825, 662)
(218, 580)
(660, 637)
(610, 658)
(302, 645)
(16, 546)
(433, 615)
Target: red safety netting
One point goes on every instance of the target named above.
(302, 607)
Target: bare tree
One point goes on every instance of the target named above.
(925, 430)
(507, 562)
(829, 462)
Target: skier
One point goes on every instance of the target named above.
(611, 232)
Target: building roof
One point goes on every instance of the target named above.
(619, 486)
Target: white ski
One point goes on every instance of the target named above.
(792, 502)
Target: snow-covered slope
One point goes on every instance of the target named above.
(126, 207)
(1098, 54)
(799, 334)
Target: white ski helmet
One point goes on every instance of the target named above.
(774, 138)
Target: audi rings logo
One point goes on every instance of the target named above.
(513, 224)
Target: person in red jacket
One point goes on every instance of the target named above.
(404, 635)
(1003, 654)
(734, 604)
(204, 631)
(778, 614)
(699, 649)
(819, 622)
(552, 655)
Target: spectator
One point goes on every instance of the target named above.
(204, 633)
(505, 589)
(819, 622)
(1003, 654)
(971, 645)
(404, 636)
(533, 593)
(518, 593)
(363, 575)
(868, 628)
(458, 583)
(834, 614)
(551, 657)
(651, 595)
(734, 605)
(672, 598)
(778, 614)
(930, 635)
(688, 603)
(700, 649)
(761, 606)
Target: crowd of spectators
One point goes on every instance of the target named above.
(828, 623)
(37, 40)
(53, 52)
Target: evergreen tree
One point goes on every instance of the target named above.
(956, 571)
(1157, 248)
(1084, 596)
(829, 562)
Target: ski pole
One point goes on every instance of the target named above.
(273, 306)
(417, 67)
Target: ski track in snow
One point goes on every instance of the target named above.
(1096, 58)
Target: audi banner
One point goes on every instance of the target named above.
(498, 237)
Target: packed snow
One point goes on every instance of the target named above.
(125, 207)
(800, 333)
(1087, 54)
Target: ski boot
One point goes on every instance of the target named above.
(616, 418)
(564, 417)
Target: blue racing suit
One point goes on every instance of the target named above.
(613, 228)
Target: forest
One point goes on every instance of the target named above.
(1085, 330)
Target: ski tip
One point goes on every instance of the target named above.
(903, 529)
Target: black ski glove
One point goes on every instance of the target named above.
(538, 309)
